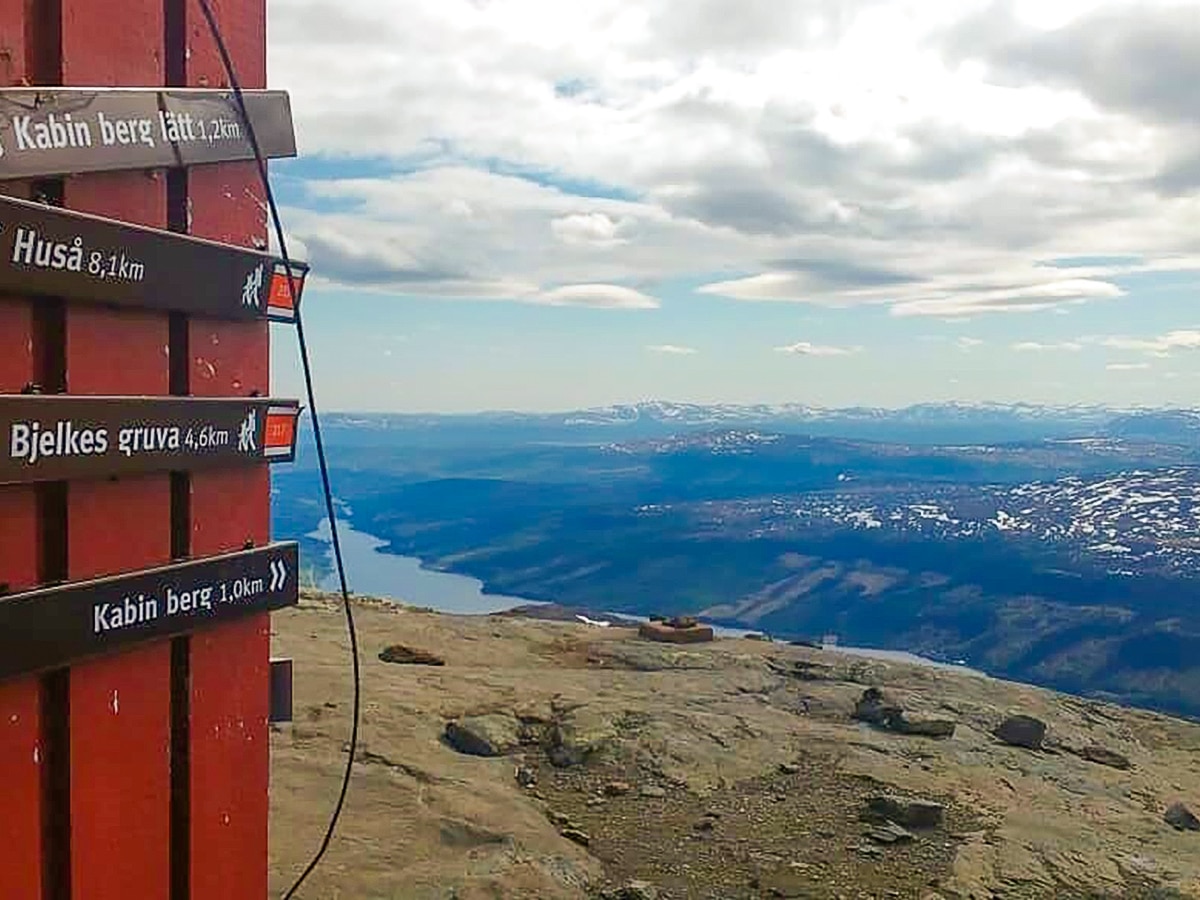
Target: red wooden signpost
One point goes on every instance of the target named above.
(141, 773)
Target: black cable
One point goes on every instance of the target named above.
(215, 29)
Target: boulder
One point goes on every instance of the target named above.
(667, 633)
(1022, 731)
(402, 655)
(495, 734)
(617, 788)
(878, 708)
(1105, 757)
(1181, 818)
(912, 812)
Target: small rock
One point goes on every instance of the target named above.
(1181, 818)
(595, 801)
(526, 777)
(667, 632)
(876, 707)
(891, 833)
(653, 791)
(868, 850)
(911, 812)
(617, 788)
(495, 734)
(1022, 731)
(402, 655)
(705, 824)
(634, 890)
(924, 725)
(577, 836)
(577, 738)
(1105, 757)
(789, 769)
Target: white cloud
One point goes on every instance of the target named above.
(672, 349)
(1127, 367)
(598, 296)
(967, 344)
(1039, 347)
(1186, 339)
(804, 348)
(935, 157)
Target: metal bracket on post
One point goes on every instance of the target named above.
(281, 691)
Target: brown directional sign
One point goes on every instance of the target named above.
(45, 250)
(59, 437)
(63, 131)
(54, 626)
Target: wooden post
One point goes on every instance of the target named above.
(142, 773)
(229, 665)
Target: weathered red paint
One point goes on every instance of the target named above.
(21, 743)
(120, 782)
(120, 706)
(244, 27)
(113, 44)
(21, 748)
(230, 696)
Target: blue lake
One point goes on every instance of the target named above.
(373, 573)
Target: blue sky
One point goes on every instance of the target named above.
(862, 202)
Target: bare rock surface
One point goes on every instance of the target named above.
(613, 749)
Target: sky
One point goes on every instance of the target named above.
(542, 205)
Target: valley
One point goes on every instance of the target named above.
(1069, 559)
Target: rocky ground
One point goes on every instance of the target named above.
(557, 760)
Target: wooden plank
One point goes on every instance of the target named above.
(58, 437)
(22, 751)
(120, 706)
(48, 251)
(230, 665)
(52, 131)
(54, 626)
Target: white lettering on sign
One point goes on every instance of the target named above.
(31, 249)
(58, 131)
(123, 132)
(55, 133)
(30, 441)
(110, 616)
(148, 439)
(189, 601)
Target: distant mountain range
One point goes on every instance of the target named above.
(924, 423)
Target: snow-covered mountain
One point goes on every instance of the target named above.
(1126, 523)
